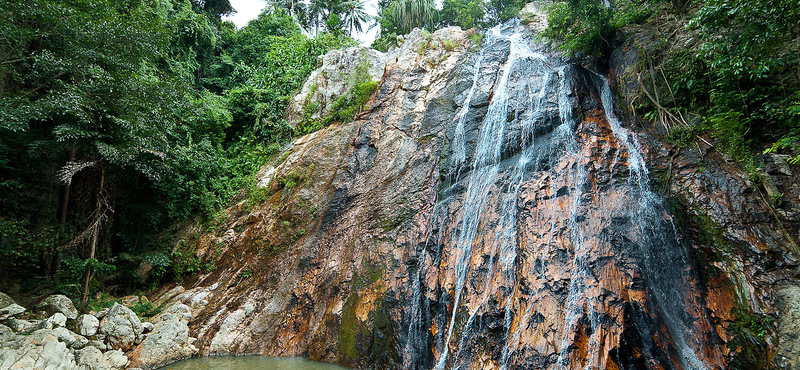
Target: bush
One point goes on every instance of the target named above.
(588, 26)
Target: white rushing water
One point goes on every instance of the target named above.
(529, 128)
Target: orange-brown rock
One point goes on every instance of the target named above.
(362, 252)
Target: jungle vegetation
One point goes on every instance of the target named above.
(120, 119)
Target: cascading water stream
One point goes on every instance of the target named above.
(484, 170)
(661, 268)
(529, 128)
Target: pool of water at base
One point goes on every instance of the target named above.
(250, 363)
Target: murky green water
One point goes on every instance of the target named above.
(250, 363)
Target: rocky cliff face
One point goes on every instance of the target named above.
(488, 209)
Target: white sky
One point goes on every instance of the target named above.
(250, 9)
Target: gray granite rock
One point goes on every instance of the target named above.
(58, 303)
(121, 327)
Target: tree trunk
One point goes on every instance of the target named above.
(51, 259)
(95, 236)
(62, 217)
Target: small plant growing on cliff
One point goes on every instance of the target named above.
(347, 106)
(146, 309)
(448, 46)
(350, 104)
(777, 199)
(256, 194)
(185, 262)
(749, 343)
(477, 38)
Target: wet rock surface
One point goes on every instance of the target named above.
(362, 255)
(487, 210)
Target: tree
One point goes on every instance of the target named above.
(463, 13)
(499, 11)
(314, 15)
(96, 87)
(355, 16)
(402, 16)
(217, 8)
(581, 25)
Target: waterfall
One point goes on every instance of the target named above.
(663, 266)
(528, 133)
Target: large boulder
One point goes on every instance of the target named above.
(72, 340)
(5, 300)
(10, 311)
(87, 325)
(58, 303)
(20, 326)
(121, 327)
(338, 73)
(91, 358)
(169, 342)
(57, 320)
(6, 334)
(116, 359)
(40, 350)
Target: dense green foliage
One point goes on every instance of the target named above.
(589, 26)
(741, 77)
(120, 118)
(399, 17)
(466, 14)
(335, 16)
(751, 53)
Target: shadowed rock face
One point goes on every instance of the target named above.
(487, 210)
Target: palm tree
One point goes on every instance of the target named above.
(291, 6)
(410, 14)
(355, 15)
(311, 15)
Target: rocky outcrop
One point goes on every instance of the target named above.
(487, 209)
(534, 15)
(338, 72)
(48, 344)
(305, 245)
